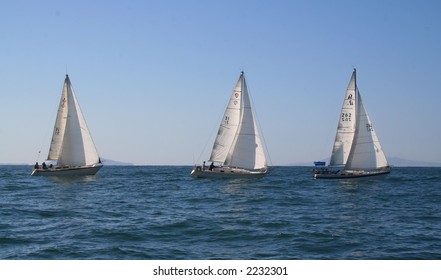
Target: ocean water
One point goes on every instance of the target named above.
(160, 212)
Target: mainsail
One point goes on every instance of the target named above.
(60, 124)
(346, 126)
(238, 142)
(72, 143)
(228, 127)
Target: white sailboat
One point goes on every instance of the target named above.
(357, 151)
(238, 149)
(72, 149)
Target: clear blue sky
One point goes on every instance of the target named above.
(153, 77)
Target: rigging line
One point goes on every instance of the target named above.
(50, 124)
(211, 133)
(205, 146)
(44, 140)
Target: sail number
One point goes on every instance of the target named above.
(350, 100)
(227, 120)
(346, 117)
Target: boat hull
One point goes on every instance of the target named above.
(349, 174)
(227, 172)
(68, 171)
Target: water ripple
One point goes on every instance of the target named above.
(160, 212)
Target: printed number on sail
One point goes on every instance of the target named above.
(346, 117)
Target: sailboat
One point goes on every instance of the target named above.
(72, 150)
(357, 151)
(238, 149)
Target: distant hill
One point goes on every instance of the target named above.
(114, 162)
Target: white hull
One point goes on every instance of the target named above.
(349, 174)
(227, 172)
(68, 171)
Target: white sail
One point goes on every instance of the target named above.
(366, 152)
(238, 142)
(346, 126)
(77, 147)
(60, 125)
(228, 127)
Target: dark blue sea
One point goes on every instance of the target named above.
(160, 212)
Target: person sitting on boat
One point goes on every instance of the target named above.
(44, 165)
(36, 165)
(203, 166)
(211, 166)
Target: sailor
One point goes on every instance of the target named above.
(211, 166)
(36, 165)
(203, 166)
(44, 165)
